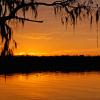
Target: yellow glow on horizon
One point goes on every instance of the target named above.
(85, 52)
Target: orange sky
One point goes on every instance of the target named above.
(52, 38)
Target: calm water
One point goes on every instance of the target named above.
(50, 86)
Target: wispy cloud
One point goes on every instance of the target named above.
(38, 37)
(92, 39)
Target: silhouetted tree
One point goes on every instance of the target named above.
(70, 11)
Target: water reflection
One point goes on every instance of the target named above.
(50, 86)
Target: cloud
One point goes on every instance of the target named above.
(38, 37)
(92, 39)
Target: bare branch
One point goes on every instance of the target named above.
(20, 18)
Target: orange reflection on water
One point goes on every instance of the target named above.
(51, 86)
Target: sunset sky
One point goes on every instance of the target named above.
(52, 38)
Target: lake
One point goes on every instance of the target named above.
(50, 86)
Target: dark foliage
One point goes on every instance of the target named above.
(27, 64)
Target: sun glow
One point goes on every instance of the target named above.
(71, 52)
(32, 53)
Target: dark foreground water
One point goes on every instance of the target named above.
(50, 86)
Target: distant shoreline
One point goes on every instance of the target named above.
(27, 64)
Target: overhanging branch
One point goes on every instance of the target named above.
(21, 18)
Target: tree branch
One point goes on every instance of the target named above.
(20, 18)
(22, 5)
